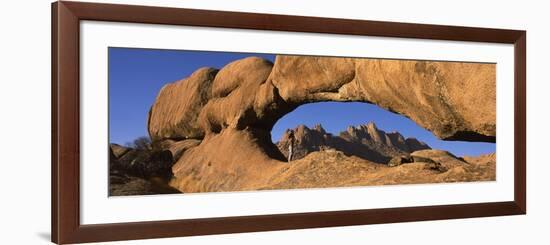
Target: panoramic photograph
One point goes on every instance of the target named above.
(202, 121)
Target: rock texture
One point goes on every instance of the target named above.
(231, 160)
(332, 168)
(118, 151)
(231, 111)
(364, 141)
(124, 185)
(177, 148)
(486, 158)
(174, 115)
(252, 92)
(453, 100)
(139, 171)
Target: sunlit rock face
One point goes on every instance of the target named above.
(232, 111)
(455, 101)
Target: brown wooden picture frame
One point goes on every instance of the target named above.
(66, 227)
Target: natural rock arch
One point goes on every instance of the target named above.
(232, 110)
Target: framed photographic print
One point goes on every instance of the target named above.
(177, 122)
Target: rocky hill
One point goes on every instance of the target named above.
(331, 168)
(364, 141)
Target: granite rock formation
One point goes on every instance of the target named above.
(255, 93)
(231, 111)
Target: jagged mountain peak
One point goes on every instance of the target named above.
(365, 141)
(371, 125)
(319, 128)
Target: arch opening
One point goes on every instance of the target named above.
(363, 130)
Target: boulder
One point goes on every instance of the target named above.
(177, 148)
(120, 185)
(228, 161)
(118, 150)
(234, 101)
(436, 155)
(435, 166)
(175, 113)
(398, 160)
(143, 163)
(421, 159)
(438, 159)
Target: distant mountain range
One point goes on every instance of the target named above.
(365, 141)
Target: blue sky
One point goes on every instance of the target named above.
(337, 116)
(136, 76)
